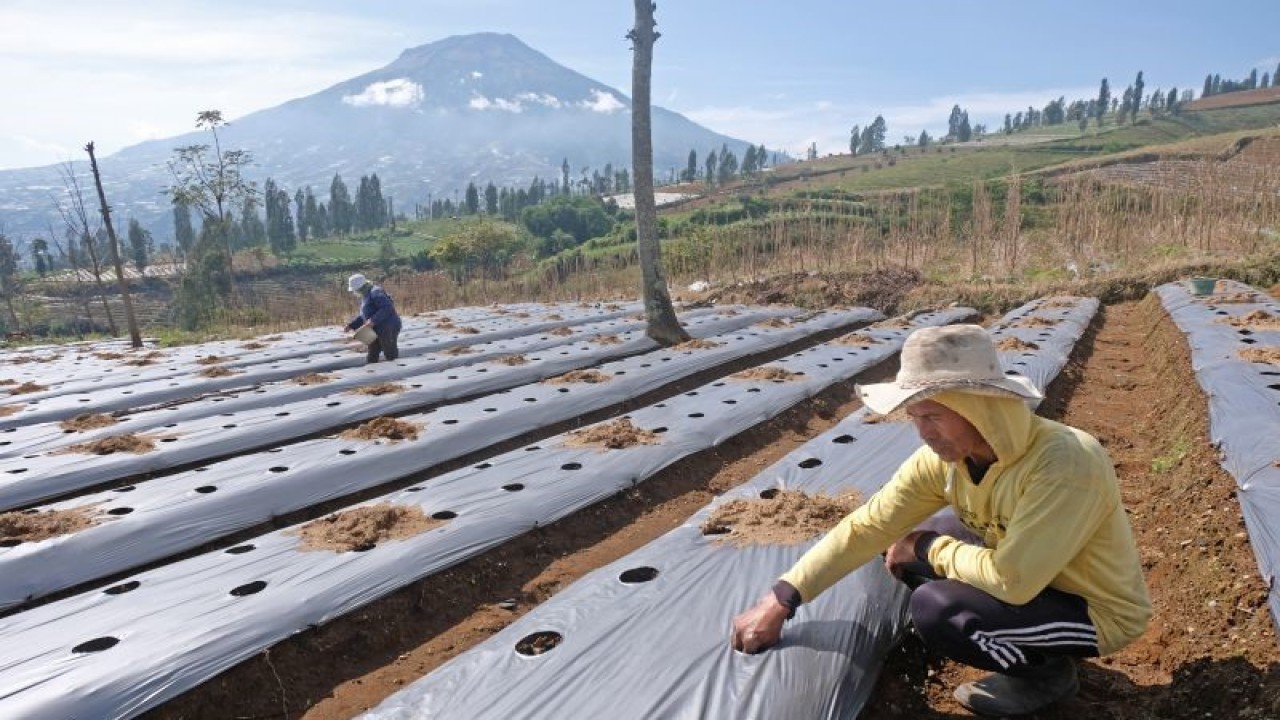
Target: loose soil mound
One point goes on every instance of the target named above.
(130, 443)
(87, 421)
(1234, 298)
(613, 436)
(362, 528)
(1055, 303)
(210, 360)
(782, 517)
(27, 526)
(513, 360)
(379, 389)
(103, 355)
(312, 379)
(561, 331)
(464, 330)
(150, 358)
(552, 317)
(27, 387)
(769, 372)
(1035, 322)
(606, 340)
(696, 344)
(579, 376)
(1267, 355)
(773, 323)
(7, 410)
(384, 428)
(446, 325)
(217, 371)
(1012, 344)
(856, 340)
(252, 346)
(1255, 320)
(8, 381)
(459, 350)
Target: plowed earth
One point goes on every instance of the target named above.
(1211, 650)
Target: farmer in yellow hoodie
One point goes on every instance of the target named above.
(1031, 562)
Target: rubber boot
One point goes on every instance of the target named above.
(999, 695)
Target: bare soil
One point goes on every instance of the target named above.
(1011, 344)
(1211, 650)
(87, 421)
(27, 387)
(513, 360)
(769, 372)
(613, 436)
(216, 371)
(561, 331)
(363, 528)
(379, 389)
(312, 378)
(129, 442)
(778, 517)
(210, 360)
(384, 428)
(579, 376)
(696, 344)
(34, 526)
(606, 340)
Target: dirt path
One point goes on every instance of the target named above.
(1211, 651)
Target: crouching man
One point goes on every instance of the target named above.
(1034, 564)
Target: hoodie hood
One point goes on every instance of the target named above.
(1004, 422)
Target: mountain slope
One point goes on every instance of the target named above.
(483, 108)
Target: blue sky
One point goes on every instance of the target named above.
(780, 73)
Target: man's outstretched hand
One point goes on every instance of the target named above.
(760, 627)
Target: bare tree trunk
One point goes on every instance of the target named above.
(135, 337)
(663, 326)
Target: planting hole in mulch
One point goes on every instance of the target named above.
(1015, 344)
(216, 371)
(1255, 320)
(383, 428)
(538, 643)
(379, 389)
(129, 442)
(613, 436)
(27, 387)
(773, 323)
(606, 340)
(768, 372)
(696, 344)
(210, 360)
(513, 360)
(459, 350)
(1035, 322)
(1267, 355)
(561, 331)
(579, 376)
(19, 527)
(787, 517)
(856, 339)
(362, 528)
(312, 378)
(87, 421)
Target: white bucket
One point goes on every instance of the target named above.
(366, 335)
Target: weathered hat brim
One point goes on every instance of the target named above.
(884, 398)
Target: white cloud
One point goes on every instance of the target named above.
(399, 93)
(476, 74)
(602, 102)
(480, 102)
(540, 98)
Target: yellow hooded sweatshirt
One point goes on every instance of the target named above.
(1049, 511)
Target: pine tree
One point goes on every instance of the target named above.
(140, 245)
(340, 210)
(184, 234)
(855, 139)
(691, 170)
(1104, 100)
(301, 223)
(1138, 87)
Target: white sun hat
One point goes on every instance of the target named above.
(355, 282)
(952, 357)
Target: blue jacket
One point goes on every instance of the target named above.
(377, 308)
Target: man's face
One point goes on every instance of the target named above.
(946, 432)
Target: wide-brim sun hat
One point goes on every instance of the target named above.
(355, 282)
(952, 357)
